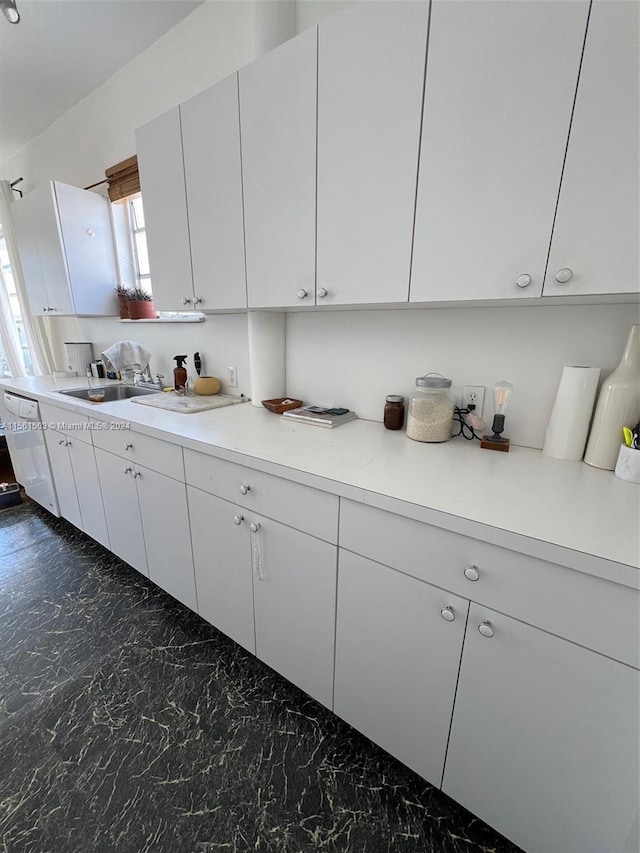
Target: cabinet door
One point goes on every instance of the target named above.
(397, 661)
(222, 560)
(500, 83)
(295, 594)
(63, 476)
(165, 524)
(159, 146)
(211, 147)
(121, 509)
(544, 741)
(85, 474)
(370, 79)
(595, 236)
(278, 118)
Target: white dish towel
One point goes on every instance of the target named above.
(126, 354)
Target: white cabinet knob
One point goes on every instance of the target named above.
(127, 470)
(136, 474)
(322, 292)
(127, 446)
(197, 300)
(302, 293)
(447, 614)
(471, 573)
(254, 526)
(238, 519)
(564, 275)
(244, 489)
(61, 441)
(486, 629)
(186, 300)
(523, 280)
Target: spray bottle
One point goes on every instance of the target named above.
(179, 372)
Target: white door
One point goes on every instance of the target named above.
(160, 162)
(85, 474)
(121, 509)
(222, 560)
(63, 476)
(544, 742)
(165, 524)
(594, 248)
(213, 176)
(278, 119)
(370, 79)
(294, 582)
(397, 661)
(500, 83)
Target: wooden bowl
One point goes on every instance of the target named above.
(206, 386)
(281, 404)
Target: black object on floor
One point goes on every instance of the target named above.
(129, 724)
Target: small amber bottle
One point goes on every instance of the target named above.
(394, 412)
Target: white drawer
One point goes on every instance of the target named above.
(595, 613)
(62, 420)
(299, 506)
(160, 456)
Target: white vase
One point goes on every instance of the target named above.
(568, 426)
(618, 406)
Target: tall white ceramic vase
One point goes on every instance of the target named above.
(618, 406)
(568, 426)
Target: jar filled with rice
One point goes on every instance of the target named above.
(430, 409)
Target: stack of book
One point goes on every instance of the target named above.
(320, 416)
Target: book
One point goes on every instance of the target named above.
(320, 416)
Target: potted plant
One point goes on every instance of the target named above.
(141, 305)
(123, 294)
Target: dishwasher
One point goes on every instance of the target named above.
(28, 451)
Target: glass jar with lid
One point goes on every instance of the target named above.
(430, 414)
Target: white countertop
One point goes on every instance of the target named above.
(569, 512)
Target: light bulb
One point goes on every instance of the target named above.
(10, 11)
(502, 391)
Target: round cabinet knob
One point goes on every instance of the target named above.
(523, 280)
(61, 441)
(136, 474)
(322, 292)
(447, 614)
(254, 526)
(564, 275)
(186, 300)
(127, 470)
(471, 573)
(197, 300)
(244, 489)
(302, 293)
(127, 446)
(486, 629)
(238, 519)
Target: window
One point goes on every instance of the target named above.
(7, 275)
(138, 233)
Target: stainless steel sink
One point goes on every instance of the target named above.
(111, 393)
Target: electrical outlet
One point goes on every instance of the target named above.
(473, 395)
(232, 377)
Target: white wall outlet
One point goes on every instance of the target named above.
(232, 379)
(474, 395)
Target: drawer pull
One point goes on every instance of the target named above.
(238, 519)
(256, 550)
(244, 489)
(255, 526)
(486, 629)
(471, 573)
(447, 614)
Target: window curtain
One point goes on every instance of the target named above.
(37, 329)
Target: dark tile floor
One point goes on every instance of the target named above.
(129, 724)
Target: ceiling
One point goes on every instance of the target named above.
(64, 49)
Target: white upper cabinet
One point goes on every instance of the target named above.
(213, 177)
(278, 121)
(66, 249)
(594, 248)
(500, 84)
(159, 148)
(370, 80)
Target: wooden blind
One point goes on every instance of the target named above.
(123, 179)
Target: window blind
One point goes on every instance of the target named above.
(123, 179)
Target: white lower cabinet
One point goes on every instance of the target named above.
(77, 485)
(398, 647)
(121, 508)
(544, 741)
(269, 587)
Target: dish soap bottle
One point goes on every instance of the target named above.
(179, 372)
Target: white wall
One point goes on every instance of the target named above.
(356, 358)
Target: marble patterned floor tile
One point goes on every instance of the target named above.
(129, 724)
